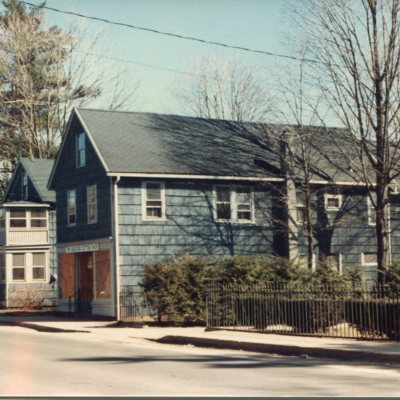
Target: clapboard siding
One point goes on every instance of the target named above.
(70, 177)
(189, 227)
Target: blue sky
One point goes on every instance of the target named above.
(259, 24)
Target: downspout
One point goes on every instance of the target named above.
(116, 246)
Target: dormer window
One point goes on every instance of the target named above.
(80, 150)
(24, 184)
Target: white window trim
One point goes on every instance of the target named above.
(12, 268)
(87, 203)
(370, 210)
(298, 222)
(233, 203)
(28, 218)
(369, 264)
(77, 150)
(46, 254)
(144, 201)
(68, 223)
(332, 196)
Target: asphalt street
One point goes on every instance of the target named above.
(51, 364)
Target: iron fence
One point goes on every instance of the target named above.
(133, 304)
(365, 312)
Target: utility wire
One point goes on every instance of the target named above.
(175, 35)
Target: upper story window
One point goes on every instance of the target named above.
(24, 186)
(18, 218)
(223, 202)
(333, 202)
(28, 218)
(371, 212)
(301, 214)
(234, 203)
(91, 194)
(71, 207)
(153, 197)
(80, 150)
(38, 218)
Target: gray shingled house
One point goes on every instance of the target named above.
(27, 237)
(133, 188)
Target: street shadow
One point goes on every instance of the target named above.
(221, 362)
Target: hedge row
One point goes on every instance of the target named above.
(176, 291)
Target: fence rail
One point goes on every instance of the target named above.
(367, 312)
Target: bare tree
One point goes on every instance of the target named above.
(44, 72)
(224, 90)
(356, 52)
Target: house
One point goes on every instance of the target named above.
(27, 237)
(133, 188)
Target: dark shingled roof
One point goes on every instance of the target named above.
(132, 142)
(39, 171)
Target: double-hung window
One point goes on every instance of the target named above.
(244, 204)
(80, 150)
(371, 211)
(24, 186)
(223, 202)
(91, 199)
(233, 203)
(153, 200)
(71, 207)
(18, 267)
(38, 266)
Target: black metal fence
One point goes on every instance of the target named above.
(367, 312)
(133, 304)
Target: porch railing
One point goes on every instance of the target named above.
(367, 311)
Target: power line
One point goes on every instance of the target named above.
(175, 35)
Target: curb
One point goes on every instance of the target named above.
(348, 355)
(39, 328)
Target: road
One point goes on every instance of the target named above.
(40, 363)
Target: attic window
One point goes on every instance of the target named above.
(80, 150)
(24, 186)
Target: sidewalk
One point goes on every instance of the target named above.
(343, 349)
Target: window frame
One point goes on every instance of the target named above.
(340, 265)
(28, 219)
(19, 267)
(88, 204)
(44, 267)
(80, 154)
(70, 224)
(371, 212)
(24, 186)
(368, 264)
(302, 207)
(144, 201)
(328, 196)
(233, 195)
